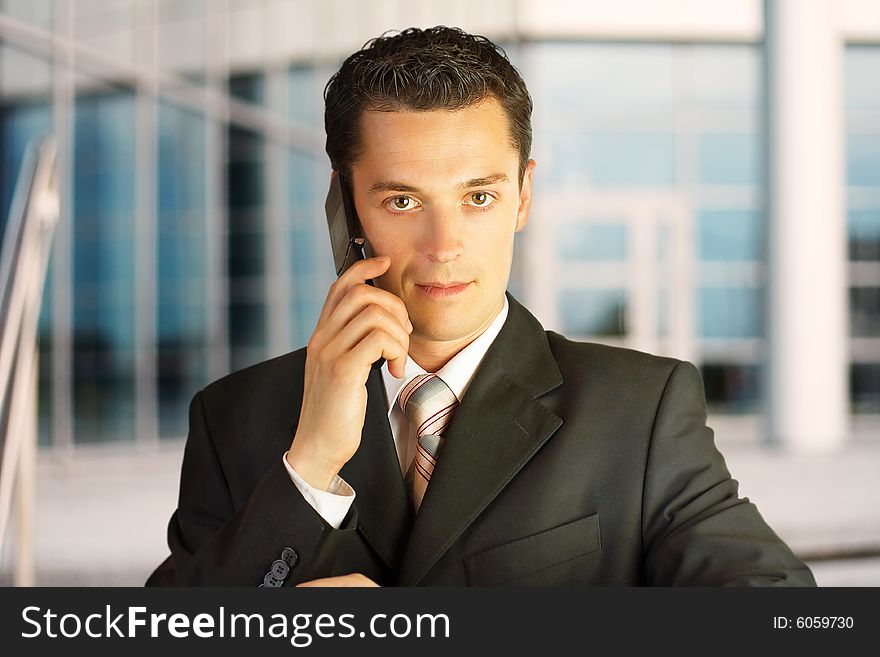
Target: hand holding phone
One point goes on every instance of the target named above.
(359, 324)
(347, 238)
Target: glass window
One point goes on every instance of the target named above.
(593, 312)
(311, 261)
(107, 27)
(103, 272)
(725, 76)
(730, 312)
(864, 234)
(34, 12)
(729, 235)
(864, 312)
(181, 260)
(861, 68)
(180, 38)
(249, 87)
(612, 159)
(862, 99)
(246, 247)
(728, 159)
(864, 380)
(732, 388)
(25, 113)
(591, 242)
(604, 77)
(305, 97)
(863, 160)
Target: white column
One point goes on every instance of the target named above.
(807, 283)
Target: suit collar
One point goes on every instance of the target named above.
(498, 427)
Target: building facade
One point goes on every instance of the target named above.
(193, 243)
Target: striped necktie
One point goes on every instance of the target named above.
(429, 404)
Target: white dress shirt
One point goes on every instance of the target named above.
(334, 503)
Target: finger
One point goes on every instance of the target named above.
(363, 296)
(360, 272)
(369, 318)
(377, 344)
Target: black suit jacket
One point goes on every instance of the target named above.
(566, 463)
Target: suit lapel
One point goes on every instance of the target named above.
(498, 427)
(385, 516)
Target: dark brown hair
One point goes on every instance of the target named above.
(438, 68)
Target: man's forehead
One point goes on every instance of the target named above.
(482, 122)
(466, 144)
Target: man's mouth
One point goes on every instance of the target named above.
(438, 289)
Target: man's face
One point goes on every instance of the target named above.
(438, 192)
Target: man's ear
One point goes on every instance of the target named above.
(525, 197)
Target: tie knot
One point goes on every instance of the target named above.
(428, 403)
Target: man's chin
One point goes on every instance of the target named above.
(439, 329)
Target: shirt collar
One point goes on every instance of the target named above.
(458, 372)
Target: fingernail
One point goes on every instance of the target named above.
(409, 325)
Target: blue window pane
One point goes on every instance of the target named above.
(612, 159)
(861, 72)
(863, 160)
(730, 312)
(19, 125)
(103, 268)
(600, 312)
(303, 93)
(728, 159)
(304, 190)
(181, 260)
(729, 235)
(864, 234)
(246, 247)
(580, 242)
(307, 261)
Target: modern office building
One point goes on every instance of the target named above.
(192, 240)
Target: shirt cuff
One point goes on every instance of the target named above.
(333, 504)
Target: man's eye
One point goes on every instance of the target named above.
(481, 199)
(402, 203)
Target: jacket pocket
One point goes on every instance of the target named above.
(523, 556)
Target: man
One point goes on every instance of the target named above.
(485, 451)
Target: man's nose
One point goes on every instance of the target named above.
(443, 237)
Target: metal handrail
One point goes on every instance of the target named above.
(24, 259)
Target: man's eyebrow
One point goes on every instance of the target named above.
(394, 186)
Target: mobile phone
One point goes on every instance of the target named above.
(347, 238)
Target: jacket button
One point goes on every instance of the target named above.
(271, 581)
(279, 569)
(290, 557)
